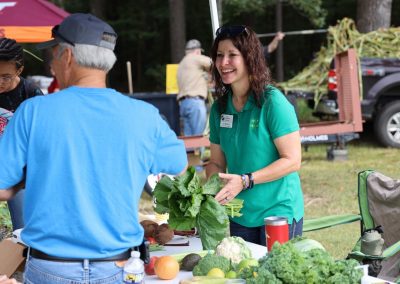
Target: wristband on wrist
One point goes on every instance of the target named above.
(251, 180)
(244, 183)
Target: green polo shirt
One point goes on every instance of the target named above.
(247, 140)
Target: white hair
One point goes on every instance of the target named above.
(90, 56)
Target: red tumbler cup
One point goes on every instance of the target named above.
(276, 230)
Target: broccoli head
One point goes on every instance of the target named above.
(211, 261)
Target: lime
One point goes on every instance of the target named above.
(216, 272)
(230, 274)
(245, 263)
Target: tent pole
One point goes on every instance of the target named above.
(214, 16)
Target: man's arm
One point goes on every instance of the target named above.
(7, 194)
(274, 43)
(217, 163)
(5, 280)
(184, 170)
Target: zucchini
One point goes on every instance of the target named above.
(204, 280)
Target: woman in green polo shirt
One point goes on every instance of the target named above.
(254, 135)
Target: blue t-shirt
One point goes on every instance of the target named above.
(87, 154)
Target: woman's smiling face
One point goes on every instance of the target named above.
(230, 64)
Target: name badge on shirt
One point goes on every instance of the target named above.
(226, 121)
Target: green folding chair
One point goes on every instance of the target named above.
(379, 203)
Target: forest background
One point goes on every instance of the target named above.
(152, 33)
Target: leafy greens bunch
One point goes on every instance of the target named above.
(192, 204)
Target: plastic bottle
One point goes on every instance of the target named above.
(134, 269)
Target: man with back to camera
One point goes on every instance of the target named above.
(193, 88)
(87, 151)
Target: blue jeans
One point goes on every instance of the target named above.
(257, 234)
(193, 112)
(15, 205)
(38, 271)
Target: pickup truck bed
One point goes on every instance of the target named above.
(380, 100)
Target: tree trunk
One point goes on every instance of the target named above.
(219, 7)
(98, 8)
(59, 3)
(373, 14)
(279, 50)
(177, 29)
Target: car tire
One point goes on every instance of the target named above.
(387, 125)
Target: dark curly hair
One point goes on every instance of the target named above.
(247, 42)
(11, 51)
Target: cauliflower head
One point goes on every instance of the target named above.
(233, 248)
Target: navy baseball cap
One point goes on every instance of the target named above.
(82, 29)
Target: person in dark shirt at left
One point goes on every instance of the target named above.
(14, 89)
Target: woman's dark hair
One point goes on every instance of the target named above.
(247, 42)
(10, 50)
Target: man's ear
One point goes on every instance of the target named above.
(20, 70)
(67, 56)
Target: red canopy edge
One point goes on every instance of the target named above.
(57, 10)
(27, 34)
(30, 20)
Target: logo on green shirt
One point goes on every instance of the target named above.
(254, 123)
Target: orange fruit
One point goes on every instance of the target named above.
(166, 267)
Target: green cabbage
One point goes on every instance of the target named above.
(303, 244)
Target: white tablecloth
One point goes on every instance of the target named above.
(194, 246)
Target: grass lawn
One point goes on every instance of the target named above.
(330, 188)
